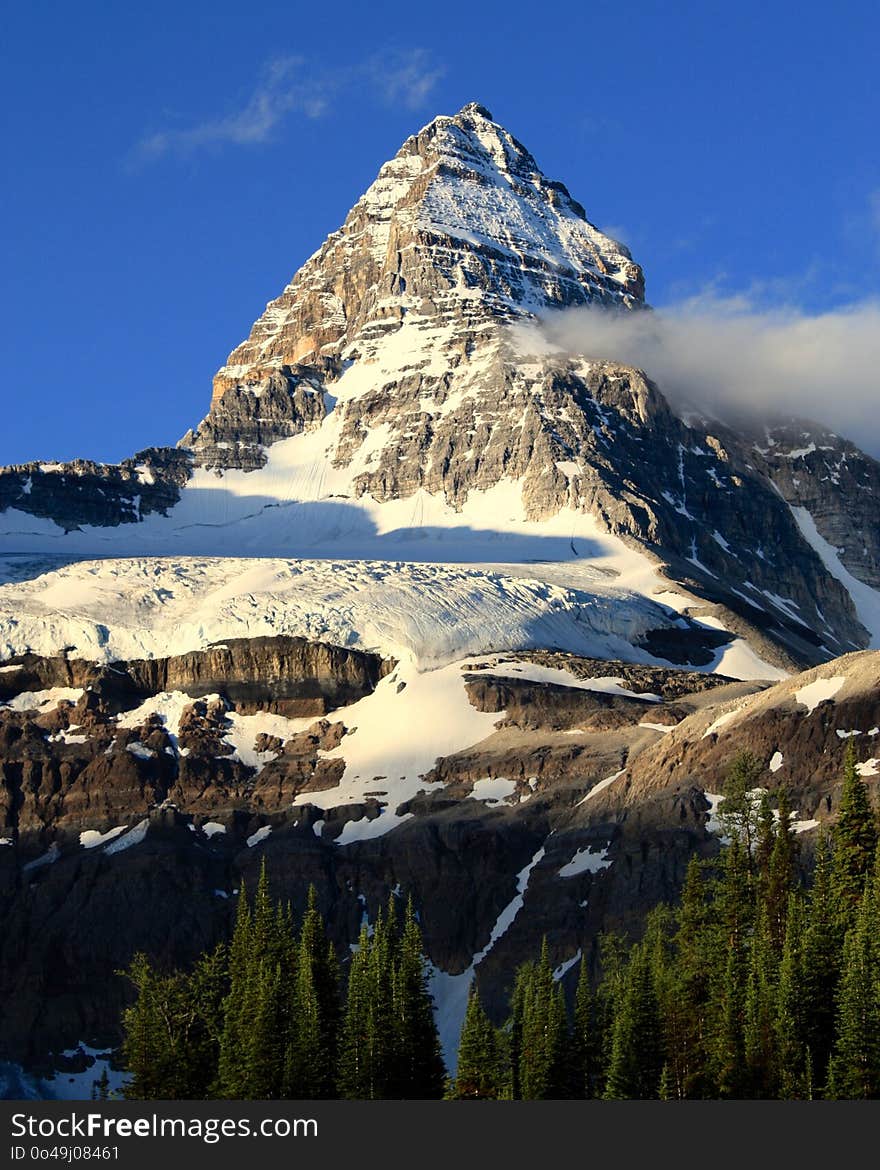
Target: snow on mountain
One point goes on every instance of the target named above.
(602, 604)
(865, 599)
(430, 613)
(461, 214)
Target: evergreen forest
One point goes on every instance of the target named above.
(759, 983)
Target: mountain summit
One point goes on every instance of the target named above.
(460, 226)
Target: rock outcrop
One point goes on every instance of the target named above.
(100, 495)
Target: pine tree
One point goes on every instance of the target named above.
(637, 1057)
(354, 1068)
(781, 873)
(418, 1064)
(820, 964)
(613, 959)
(256, 1010)
(142, 1046)
(735, 910)
(792, 1052)
(170, 1035)
(695, 947)
(267, 934)
(659, 944)
(516, 1023)
(101, 1086)
(855, 1066)
(544, 1034)
(739, 811)
(766, 834)
(480, 1074)
(310, 1061)
(232, 1079)
(585, 1054)
(264, 1050)
(380, 1048)
(855, 841)
(759, 1035)
(206, 988)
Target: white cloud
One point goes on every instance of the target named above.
(404, 76)
(727, 354)
(289, 85)
(283, 88)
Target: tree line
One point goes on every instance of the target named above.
(755, 985)
(264, 1018)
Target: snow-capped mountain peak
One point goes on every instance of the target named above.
(460, 225)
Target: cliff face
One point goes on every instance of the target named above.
(833, 484)
(101, 495)
(85, 746)
(577, 810)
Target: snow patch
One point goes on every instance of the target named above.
(586, 860)
(563, 968)
(168, 706)
(48, 858)
(865, 599)
(133, 837)
(818, 692)
(43, 700)
(431, 716)
(558, 676)
(493, 789)
(720, 722)
(92, 839)
(601, 786)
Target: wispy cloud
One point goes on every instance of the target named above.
(404, 76)
(281, 89)
(289, 85)
(730, 354)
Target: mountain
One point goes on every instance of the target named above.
(418, 606)
(389, 405)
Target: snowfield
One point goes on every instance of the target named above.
(597, 601)
(394, 738)
(435, 614)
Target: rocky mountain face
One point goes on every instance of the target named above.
(579, 809)
(835, 483)
(517, 699)
(102, 495)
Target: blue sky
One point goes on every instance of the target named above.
(169, 166)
